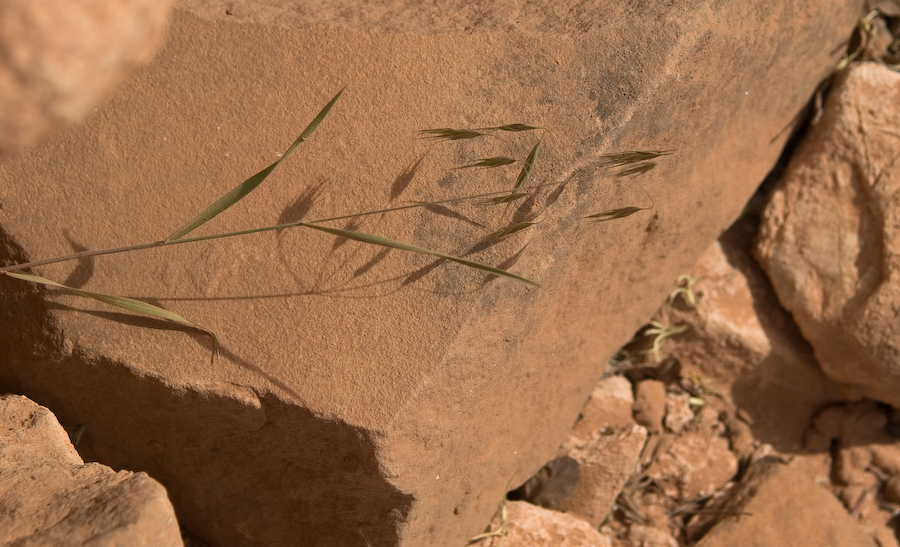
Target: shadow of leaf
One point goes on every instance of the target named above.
(296, 211)
(84, 270)
(406, 177)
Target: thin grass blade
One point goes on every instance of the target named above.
(319, 117)
(394, 244)
(613, 214)
(497, 161)
(509, 230)
(128, 304)
(449, 134)
(504, 199)
(527, 168)
(241, 190)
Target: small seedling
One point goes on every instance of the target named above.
(685, 288)
(660, 332)
(501, 527)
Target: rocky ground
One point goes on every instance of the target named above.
(730, 420)
(757, 407)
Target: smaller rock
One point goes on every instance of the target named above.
(740, 436)
(695, 463)
(678, 412)
(608, 408)
(650, 404)
(649, 536)
(755, 513)
(886, 457)
(531, 526)
(851, 424)
(606, 462)
(51, 497)
(61, 58)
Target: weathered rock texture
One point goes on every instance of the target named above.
(527, 525)
(359, 391)
(776, 505)
(49, 496)
(606, 462)
(830, 238)
(58, 59)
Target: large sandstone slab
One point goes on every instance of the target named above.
(829, 237)
(362, 394)
(49, 496)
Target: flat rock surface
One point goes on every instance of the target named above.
(49, 496)
(380, 389)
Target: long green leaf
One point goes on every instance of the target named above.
(394, 244)
(244, 188)
(129, 304)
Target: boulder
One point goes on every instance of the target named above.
(606, 462)
(363, 392)
(59, 59)
(49, 496)
(755, 513)
(528, 525)
(830, 235)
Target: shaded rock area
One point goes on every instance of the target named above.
(363, 394)
(59, 59)
(49, 496)
(830, 237)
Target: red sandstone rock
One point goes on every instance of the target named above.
(776, 505)
(829, 239)
(58, 59)
(531, 526)
(650, 404)
(382, 391)
(608, 409)
(695, 463)
(49, 496)
(606, 462)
